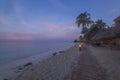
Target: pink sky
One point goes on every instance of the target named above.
(24, 36)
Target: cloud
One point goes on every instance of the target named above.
(72, 27)
(37, 36)
(24, 23)
(62, 28)
(17, 6)
(114, 10)
(5, 21)
(57, 3)
(54, 25)
(72, 35)
(22, 36)
(36, 29)
(59, 30)
(56, 28)
(14, 36)
(26, 36)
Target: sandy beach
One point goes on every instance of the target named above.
(56, 67)
(93, 63)
(88, 67)
(108, 59)
(59, 40)
(12, 68)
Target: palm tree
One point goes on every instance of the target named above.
(95, 28)
(101, 25)
(84, 20)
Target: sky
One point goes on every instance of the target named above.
(51, 19)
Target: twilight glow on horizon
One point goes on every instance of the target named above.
(50, 19)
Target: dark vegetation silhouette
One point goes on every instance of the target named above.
(83, 20)
(89, 27)
(97, 32)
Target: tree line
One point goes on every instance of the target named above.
(89, 27)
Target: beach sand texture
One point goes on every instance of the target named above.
(56, 67)
(109, 59)
(88, 67)
(91, 63)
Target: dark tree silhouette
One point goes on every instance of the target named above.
(84, 20)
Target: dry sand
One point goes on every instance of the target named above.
(88, 67)
(92, 63)
(56, 67)
(108, 59)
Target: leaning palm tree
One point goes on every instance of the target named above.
(83, 20)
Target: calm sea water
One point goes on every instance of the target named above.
(17, 50)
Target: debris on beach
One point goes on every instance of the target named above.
(54, 53)
(5, 79)
(28, 64)
(61, 51)
(20, 68)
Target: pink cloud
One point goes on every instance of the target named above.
(72, 35)
(14, 36)
(63, 27)
(18, 38)
(25, 36)
(56, 28)
(44, 30)
(72, 28)
(32, 36)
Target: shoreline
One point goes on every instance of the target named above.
(10, 69)
(54, 67)
(70, 64)
(46, 51)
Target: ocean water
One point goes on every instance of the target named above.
(11, 51)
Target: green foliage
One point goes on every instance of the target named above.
(91, 32)
(84, 20)
(75, 41)
(84, 30)
(101, 25)
(95, 28)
